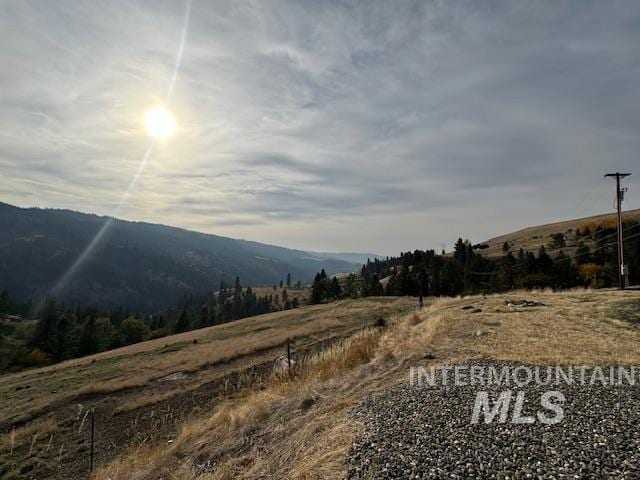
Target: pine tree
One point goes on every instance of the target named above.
(89, 339)
(288, 280)
(46, 329)
(460, 251)
(544, 263)
(319, 287)
(335, 291)
(183, 324)
(5, 302)
(205, 319)
(63, 339)
(583, 254)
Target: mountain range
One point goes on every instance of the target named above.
(137, 265)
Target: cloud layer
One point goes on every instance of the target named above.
(380, 126)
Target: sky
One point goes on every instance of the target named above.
(371, 126)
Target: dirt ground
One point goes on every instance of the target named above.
(303, 430)
(142, 395)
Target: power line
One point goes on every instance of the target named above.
(598, 249)
(622, 271)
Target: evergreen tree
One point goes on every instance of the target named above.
(288, 280)
(544, 263)
(205, 319)
(183, 324)
(63, 339)
(89, 342)
(5, 302)
(105, 333)
(319, 288)
(46, 328)
(583, 254)
(334, 291)
(460, 251)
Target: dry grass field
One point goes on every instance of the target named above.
(531, 238)
(303, 294)
(143, 393)
(299, 428)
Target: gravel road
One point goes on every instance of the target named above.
(414, 432)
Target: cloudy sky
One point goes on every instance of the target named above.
(362, 126)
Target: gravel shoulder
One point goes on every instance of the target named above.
(418, 432)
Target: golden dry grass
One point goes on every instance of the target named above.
(531, 238)
(26, 393)
(303, 294)
(300, 429)
(27, 433)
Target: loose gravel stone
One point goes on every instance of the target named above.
(422, 432)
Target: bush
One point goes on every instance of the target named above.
(159, 333)
(133, 330)
(32, 358)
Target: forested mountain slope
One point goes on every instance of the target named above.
(136, 265)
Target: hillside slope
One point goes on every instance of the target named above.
(143, 393)
(141, 266)
(531, 238)
(308, 427)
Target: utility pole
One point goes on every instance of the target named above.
(622, 268)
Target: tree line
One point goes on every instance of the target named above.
(467, 271)
(62, 332)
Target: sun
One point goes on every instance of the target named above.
(160, 123)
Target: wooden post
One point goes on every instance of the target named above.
(289, 355)
(224, 382)
(93, 430)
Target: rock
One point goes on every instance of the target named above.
(282, 365)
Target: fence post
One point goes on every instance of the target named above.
(93, 430)
(289, 355)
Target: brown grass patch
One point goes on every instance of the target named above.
(27, 434)
(25, 394)
(299, 428)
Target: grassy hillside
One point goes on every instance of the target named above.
(144, 393)
(302, 428)
(531, 238)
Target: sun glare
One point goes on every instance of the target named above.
(160, 123)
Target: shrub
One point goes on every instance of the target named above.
(32, 358)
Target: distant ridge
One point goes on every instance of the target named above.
(137, 265)
(352, 257)
(531, 238)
